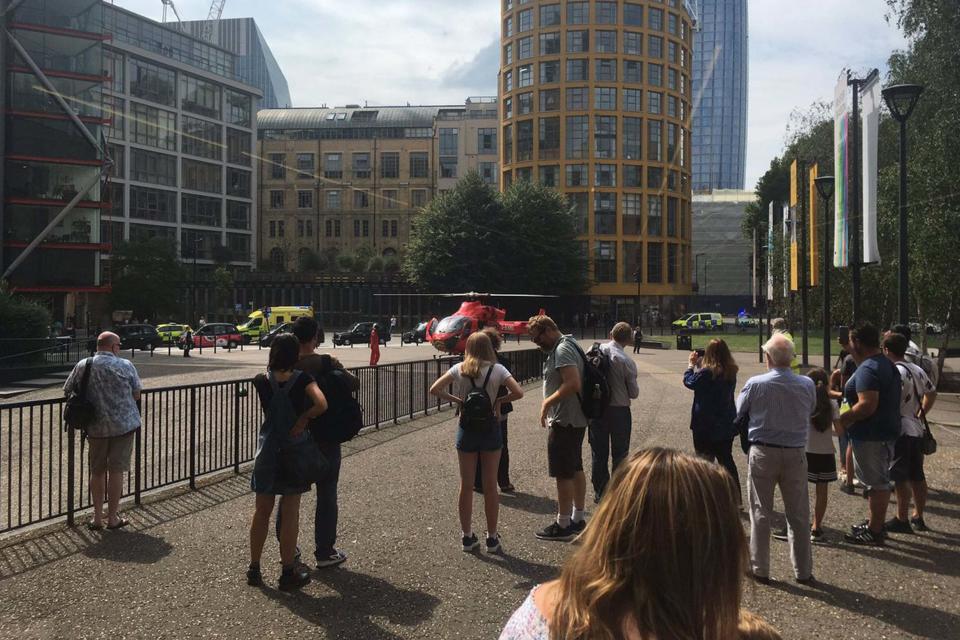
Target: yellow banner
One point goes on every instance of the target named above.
(794, 184)
(813, 234)
(794, 218)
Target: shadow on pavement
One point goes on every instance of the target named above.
(533, 573)
(916, 552)
(361, 599)
(129, 546)
(529, 503)
(911, 618)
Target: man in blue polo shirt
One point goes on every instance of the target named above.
(872, 425)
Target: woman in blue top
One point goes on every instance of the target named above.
(712, 377)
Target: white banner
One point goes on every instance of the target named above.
(786, 250)
(770, 252)
(871, 132)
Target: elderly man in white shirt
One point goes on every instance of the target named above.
(610, 434)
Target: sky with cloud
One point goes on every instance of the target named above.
(441, 51)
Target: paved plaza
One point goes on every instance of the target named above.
(178, 571)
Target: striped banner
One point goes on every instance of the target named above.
(841, 166)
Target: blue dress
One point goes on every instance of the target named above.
(268, 475)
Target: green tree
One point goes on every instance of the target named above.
(146, 275)
(375, 265)
(23, 322)
(222, 285)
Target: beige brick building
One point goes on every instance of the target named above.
(335, 180)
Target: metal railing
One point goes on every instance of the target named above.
(187, 432)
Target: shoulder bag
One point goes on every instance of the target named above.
(78, 411)
(929, 443)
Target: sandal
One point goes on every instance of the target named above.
(122, 522)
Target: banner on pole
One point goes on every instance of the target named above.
(812, 235)
(841, 122)
(753, 266)
(770, 252)
(871, 133)
(786, 250)
(794, 217)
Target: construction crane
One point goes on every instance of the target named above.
(216, 10)
(169, 3)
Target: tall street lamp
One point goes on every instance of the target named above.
(901, 99)
(825, 190)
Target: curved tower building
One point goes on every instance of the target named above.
(720, 95)
(595, 101)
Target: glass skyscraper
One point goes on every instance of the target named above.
(720, 95)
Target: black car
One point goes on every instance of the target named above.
(360, 334)
(138, 336)
(416, 336)
(267, 340)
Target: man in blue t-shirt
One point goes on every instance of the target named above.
(872, 425)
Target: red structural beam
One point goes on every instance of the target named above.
(38, 202)
(53, 73)
(86, 163)
(105, 288)
(69, 246)
(57, 116)
(73, 33)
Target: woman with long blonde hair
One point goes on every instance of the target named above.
(664, 557)
(478, 433)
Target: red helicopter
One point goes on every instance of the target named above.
(449, 335)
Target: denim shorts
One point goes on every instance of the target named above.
(871, 462)
(474, 440)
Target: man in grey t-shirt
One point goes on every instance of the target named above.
(561, 413)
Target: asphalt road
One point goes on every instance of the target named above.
(178, 571)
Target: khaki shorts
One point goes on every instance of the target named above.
(111, 454)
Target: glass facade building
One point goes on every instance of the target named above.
(720, 74)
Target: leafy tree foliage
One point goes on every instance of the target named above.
(473, 238)
(21, 319)
(145, 277)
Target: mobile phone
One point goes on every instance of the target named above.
(700, 352)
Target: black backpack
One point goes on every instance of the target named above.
(594, 394)
(78, 411)
(477, 409)
(343, 419)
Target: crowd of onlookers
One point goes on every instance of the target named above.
(665, 554)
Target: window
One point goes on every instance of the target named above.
(672, 208)
(577, 98)
(525, 20)
(201, 138)
(390, 199)
(672, 52)
(361, 165)
(155, 168)
(390, 164)
(238, 183)
(605, 213)
(633, 14)
(605, 175)
(578, 41)
(508, 108)
(549, 138)
(201, 176)
(328, 228)
(606, 41)
(333, 202)
(655, 75)
(655, 178)
(114, 108)
(605, 261)
(486, 141)
(508, 54)
(654, 215)
(153, 82)
(238, 147)
(525, 75)
(525, 103)
(672, 21)
(508, 81)
(113, 66)
(632, 215)
(632, 71)
(361, 199)
(525, 140)
(550, 100)
(549, 44)
(607, 13)
(654, 136)
(672, 79)
(671, 142)
(606, 70)
(508, 26)
(631, 99)
(632, 176)
(199, 96)
(581, 210)
(153, 204)
(238, 215)
(654, 102)
(549, 175)
(578, 13)
(305, 166)
(118, 156)
(153, 127)
(578, 137)
(631, 138)
(654, 262)
(655, 19)
(633, 43)
(420, 161)
(418, 198)
(201, 210)
(577, 175)
(550, 72)
(672, 106)
(304, 229)
(605, 98)
(448, 167)
(577, 70)
(605, 137)
(333, 165)
(356, 228)
(277, 169)
(488, 171)
(238, 108)
(449, 142)
(632, 261)
(524, 48)
(549, 15)
(508, 143)
(671, 263)
(304, 199)
(276, 199)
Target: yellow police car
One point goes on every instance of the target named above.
(171, 332)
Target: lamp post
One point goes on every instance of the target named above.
(901, 100)
(825, 190)
(696, 269)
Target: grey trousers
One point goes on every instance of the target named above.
(768, 468)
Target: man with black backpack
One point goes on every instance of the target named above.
(340, 422)
(561, 412)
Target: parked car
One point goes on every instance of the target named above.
(360, 334)
(171, 332)
(267, 340)
(699, 322)
(932, 328)
(746, 321)
(415, 336)
(138, 336)
(221, 334)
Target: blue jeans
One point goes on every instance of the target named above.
(325, 517)
(609, 437)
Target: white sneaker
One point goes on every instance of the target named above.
(335, 558)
